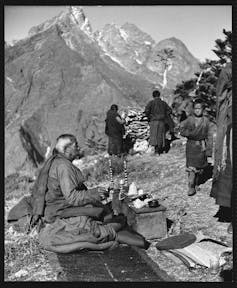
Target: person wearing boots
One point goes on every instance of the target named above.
(197, 128)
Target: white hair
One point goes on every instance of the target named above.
(62, 143)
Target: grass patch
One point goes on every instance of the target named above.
(17, 186)
(23, 257)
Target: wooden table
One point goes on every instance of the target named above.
(149, 222)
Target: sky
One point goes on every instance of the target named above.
(196, 26)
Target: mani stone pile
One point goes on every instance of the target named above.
(137, 124)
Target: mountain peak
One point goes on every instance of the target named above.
(75, 16)
(78, 15)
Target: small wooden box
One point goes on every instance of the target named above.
(149, 222)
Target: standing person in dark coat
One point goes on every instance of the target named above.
(222, 172)
(156, 111)
(114, 129)
(198, 130)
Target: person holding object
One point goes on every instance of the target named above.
(198, 130)
(115, 130)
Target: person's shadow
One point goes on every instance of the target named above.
(206, 174)
(226, 275)
(167, 145)
(128, 144)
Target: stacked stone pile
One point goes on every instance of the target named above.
(137, 124)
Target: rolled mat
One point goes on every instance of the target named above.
(176, 242)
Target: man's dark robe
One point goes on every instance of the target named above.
(222, 172)
(156, 111)
(70, 211)
(65, 190)
(115, 131)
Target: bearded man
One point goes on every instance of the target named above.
(74, 216)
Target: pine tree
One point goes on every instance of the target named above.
(204, 86)
(165, 57)
(224, 47)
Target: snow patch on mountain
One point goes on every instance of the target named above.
(69, 43)
(147, 42)
(115, 60)
(9, 79)
(79, 18)
(138, 61)
(124, 34)
(103, 47)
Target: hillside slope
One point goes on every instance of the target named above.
(63, 78)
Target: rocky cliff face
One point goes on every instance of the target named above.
(126, 44)
(137, 52)
(63, 78)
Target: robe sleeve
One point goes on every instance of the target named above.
(69, 186)
(148, 110)
(223, 82)
(231, 155)
(185, 129)
(209, 146)
(168, 109)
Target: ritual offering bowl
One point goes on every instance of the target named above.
(143, 197)
(153, 203)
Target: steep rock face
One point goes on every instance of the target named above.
(128, 44)
(59, 81)
(137, 52)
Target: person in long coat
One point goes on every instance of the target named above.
(157, 112)
(222, 172)
(115, 130)
(198, 130)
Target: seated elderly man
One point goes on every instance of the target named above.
(74, 215)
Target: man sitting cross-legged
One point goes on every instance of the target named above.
(74, 215)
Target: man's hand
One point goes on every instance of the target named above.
(123, 115)
(34, 220)
(103, 192)
(210, 160)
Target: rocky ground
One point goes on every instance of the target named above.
(165, 177)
